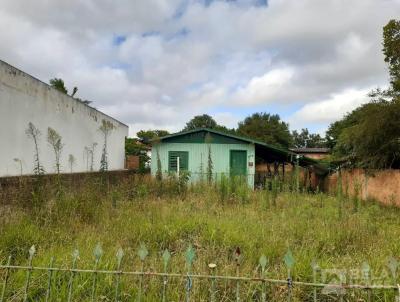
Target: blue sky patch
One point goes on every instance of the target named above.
(118, 40)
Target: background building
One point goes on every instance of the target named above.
(25, 99)
(231, 155)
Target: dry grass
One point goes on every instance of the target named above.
(214, 220)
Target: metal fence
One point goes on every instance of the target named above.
(319, 291)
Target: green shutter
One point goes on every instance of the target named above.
(183, 160)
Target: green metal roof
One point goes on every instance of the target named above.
(285, 154)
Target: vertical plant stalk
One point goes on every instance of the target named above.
(297, 174)
(34, 133)
(75, 256)
(50, 272)
(159, 168)
(32, 251)
(54, 140)
(106, 128)
(6, 277)
(71, 161)
(340, 193)
(210, 167)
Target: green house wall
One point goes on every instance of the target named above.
(198, 154)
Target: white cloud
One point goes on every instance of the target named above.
(265, 88)
(176, 60)
(329, 110)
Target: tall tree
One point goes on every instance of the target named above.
(305, 139)
(201, 121)
(337, 127)
(374, 140)
(391, 51)
(146, 135)
(369, 136)
(59, 85)
(267, 128)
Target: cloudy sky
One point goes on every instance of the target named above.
(157, 63)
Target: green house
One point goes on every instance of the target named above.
(230, 155)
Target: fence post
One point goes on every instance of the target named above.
(48, 292)
(75, 256)
(212, 267)
(365, 268)
(119, 255)
(142, 253)
(32, 251)
(190, 255)
(315, 268)
(97, 255)
(392, 265)
(289, 262)
(263, 263)
(3, 292)
(166, 257)
(237, 257)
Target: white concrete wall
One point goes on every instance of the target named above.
(24, 99)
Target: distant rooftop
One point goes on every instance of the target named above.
(311, 150)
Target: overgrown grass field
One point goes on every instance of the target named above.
(215, 219)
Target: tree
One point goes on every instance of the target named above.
(147, 135)
(305, 139)
(201, 121)
(374, 140)
(368, 137)
(391, 51)
(337, 127)
(59, 85)
(266, 128)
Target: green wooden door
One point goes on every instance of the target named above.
(238, 162)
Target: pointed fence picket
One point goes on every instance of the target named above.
(264, 283)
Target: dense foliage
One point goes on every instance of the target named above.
(369, 136)
(391, 50)
(147, 135)
(305, 139)
(268, 128)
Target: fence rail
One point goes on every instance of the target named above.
(319, 289)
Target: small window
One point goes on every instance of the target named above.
(173, 162)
